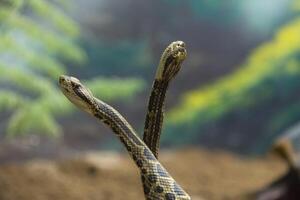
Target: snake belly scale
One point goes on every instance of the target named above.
(158, 183)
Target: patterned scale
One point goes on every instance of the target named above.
(169, 65)
(158, 184)
(155, 115)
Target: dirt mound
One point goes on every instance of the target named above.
(97, 176)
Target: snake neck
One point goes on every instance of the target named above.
(155, 115)
(134, 145)
(157, 182)
(118, 124)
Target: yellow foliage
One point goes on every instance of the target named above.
(296, 5)
(270, 59)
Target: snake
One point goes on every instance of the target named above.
(157, 182)
(169, 65)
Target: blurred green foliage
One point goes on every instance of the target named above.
(272, 71)
(115, 88)
(212, 10)
(36, 39)
(133, 57)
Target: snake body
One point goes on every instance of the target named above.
(168, 67)
(157, 182)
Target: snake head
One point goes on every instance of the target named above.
(170, 61)
(77, 93)
(178, 50)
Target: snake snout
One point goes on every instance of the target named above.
(63, 83)
(181, 44)
(62, 79)
(180, 50)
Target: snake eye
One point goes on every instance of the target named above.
(74, 85)
(62, 80)
(180, 44)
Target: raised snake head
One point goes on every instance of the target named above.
(77, 93)
(171, 60)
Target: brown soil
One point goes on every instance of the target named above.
(99, 175)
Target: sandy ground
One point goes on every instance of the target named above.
(111, 176)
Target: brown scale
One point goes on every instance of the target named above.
(154, 118)
(155, 177)
(169, 66)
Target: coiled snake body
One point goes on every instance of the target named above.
(157, 182)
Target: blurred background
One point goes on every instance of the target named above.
(237, 91)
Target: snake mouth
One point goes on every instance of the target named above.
(181, 54)
(63, 83)
(179, 51)
(62, 79)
